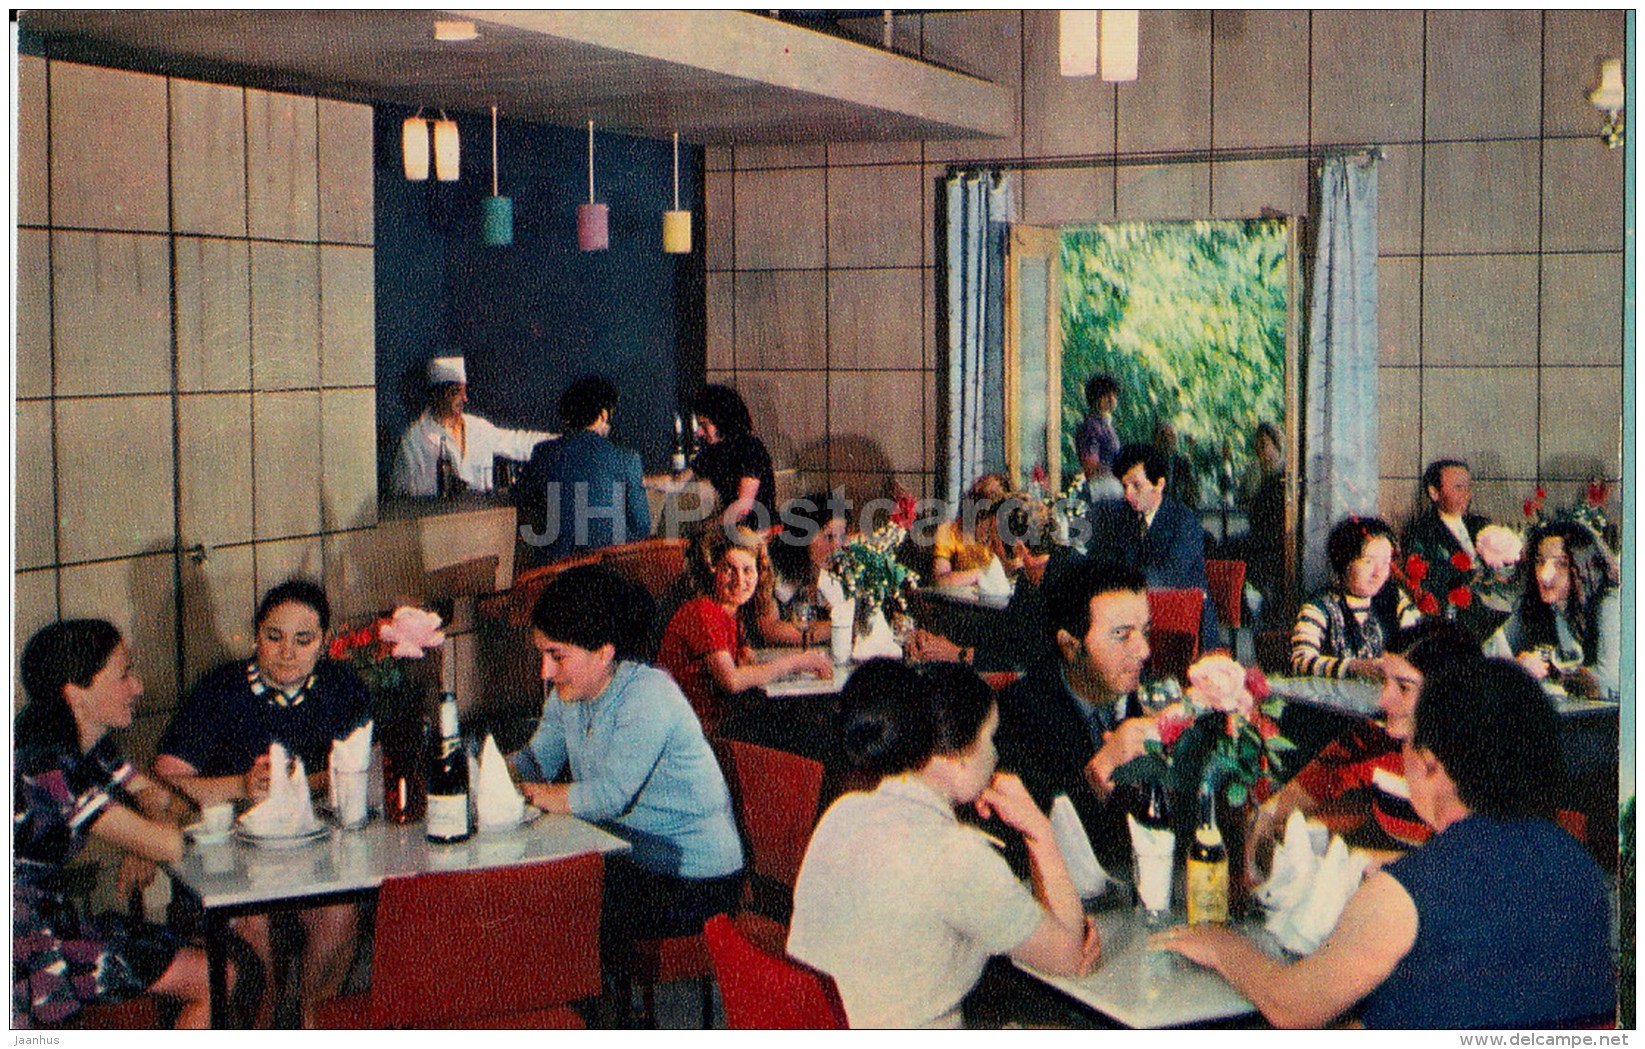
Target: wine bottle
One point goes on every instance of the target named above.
(677, 463)
(445, 473)
(1155, 814)
(1207, 865)
(448, 779)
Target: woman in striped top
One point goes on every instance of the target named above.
(1341, 630)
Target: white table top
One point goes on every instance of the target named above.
(1359, 698)
(805, 684)
(968, 595)
(1144, 988)
(232, 872)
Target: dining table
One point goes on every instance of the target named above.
(230, 876)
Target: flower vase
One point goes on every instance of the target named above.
(1235, 823)
(403, 732)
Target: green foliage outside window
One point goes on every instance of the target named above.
(1189, 317)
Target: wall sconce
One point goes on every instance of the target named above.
(1119, 46)
(414, 147)
(1608, 98)
(445, 148)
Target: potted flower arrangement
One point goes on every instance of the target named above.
(1486, 588)
(869, 572)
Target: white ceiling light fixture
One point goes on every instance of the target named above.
(1077, 43)
(454, 31)
(1119, 46)
(414, 147)
(445, 148)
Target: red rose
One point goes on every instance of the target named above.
(904, 514)
(1416, 570)
(1462, 562)
(1460, 596)
(1598, 492)
(1541, 493)
(1171, 728)
(1427, 604)
(1530, 508)
(365, 635)
(1039, 475)
(338, 648)
(1256, 683)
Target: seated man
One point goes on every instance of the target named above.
(1358, 781)
(1073, 719)
(1153, 533)
(1445, 527)
(582, 492)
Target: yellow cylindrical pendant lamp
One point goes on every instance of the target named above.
(677, 223)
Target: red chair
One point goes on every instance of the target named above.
(655, 564)
(762, 992)
(506, 947)
(512, 607)
(1225, 580)
(1175, 612)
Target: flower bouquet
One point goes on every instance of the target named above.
(1225, 732)
(379, 650)
(868, 570)
(1589, 510)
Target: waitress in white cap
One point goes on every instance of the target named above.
(444, 429)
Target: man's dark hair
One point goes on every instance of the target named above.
(1435, 644)
(1154, 463)
(1068, 595)
(1435, 473)
(1099, 386)
(1491, 725)
(584, 400)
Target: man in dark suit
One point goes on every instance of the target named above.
(1445, 527)
(1074, 717)
(1154, 533)
(581, 492)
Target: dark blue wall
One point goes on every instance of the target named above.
(532, 317)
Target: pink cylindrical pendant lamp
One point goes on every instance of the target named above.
(593, 220)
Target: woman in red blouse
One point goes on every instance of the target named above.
(705, 647)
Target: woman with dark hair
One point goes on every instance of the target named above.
(1570, 614)
(897, 900)
(216, 749)
(71, 784)
(639, 762)
(705, 644)
(1342, 629)
(1501, 920)
(733, 460)
(814, 528)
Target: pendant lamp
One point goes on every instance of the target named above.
(445, 148)
(496, 213)
(677, 223)
(593, 220)
(414, 147)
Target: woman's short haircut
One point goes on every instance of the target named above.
(894, 717)
(299, 591)
(724, 407)
(591, 606)
(585, 399)
(1348, 537)
(1069, 593)
(1491, 725)
(71, 651)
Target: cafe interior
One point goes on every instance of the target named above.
(242, 235)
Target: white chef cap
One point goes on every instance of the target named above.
(446, 369)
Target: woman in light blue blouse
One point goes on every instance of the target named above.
(640, 765)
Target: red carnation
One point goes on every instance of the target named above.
(1460, 596)
(1462, 562)
(338, 648)
(1530, 508)
(1170, 728)
(903, 516)
(1256, 683)
(1598, 492)
(1416, 570)
(1427, 604)
(1541, 493)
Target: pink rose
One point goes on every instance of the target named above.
(1218, 683)
(1499, 547)
(411, 631)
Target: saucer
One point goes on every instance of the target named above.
(200, 836)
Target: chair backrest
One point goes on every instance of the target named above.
(775, 794)
(1177, 610)
(652, 563)
(513, 606)
(764, 993)
(463, 945)
(1226, 582)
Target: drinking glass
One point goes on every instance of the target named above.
(805, 613)
(1154, 861)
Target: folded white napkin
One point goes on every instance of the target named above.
(1083, 869)
(1307, 892)
(350, 755)
(829, 590)
(496, 800)
(353, 753)
(1155, 852)
(992, 582)
(878, 641)
(288, 810)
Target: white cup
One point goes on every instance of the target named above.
(349, 796)
(218, 818)
(839, 643)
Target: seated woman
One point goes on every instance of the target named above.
(1341, 630)
(962, 547)
(1571, 610)
(71, 784)
(639, 763)
(1501, 920)
(1358, 782)
(813, 529)
(900, 902)
(704, 645)
(216, 749)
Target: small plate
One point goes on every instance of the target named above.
(292, 842)
(531, 815)
(198, 834)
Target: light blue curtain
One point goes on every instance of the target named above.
(979, 207)
(1341, 410)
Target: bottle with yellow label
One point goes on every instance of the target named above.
(1207, 866)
